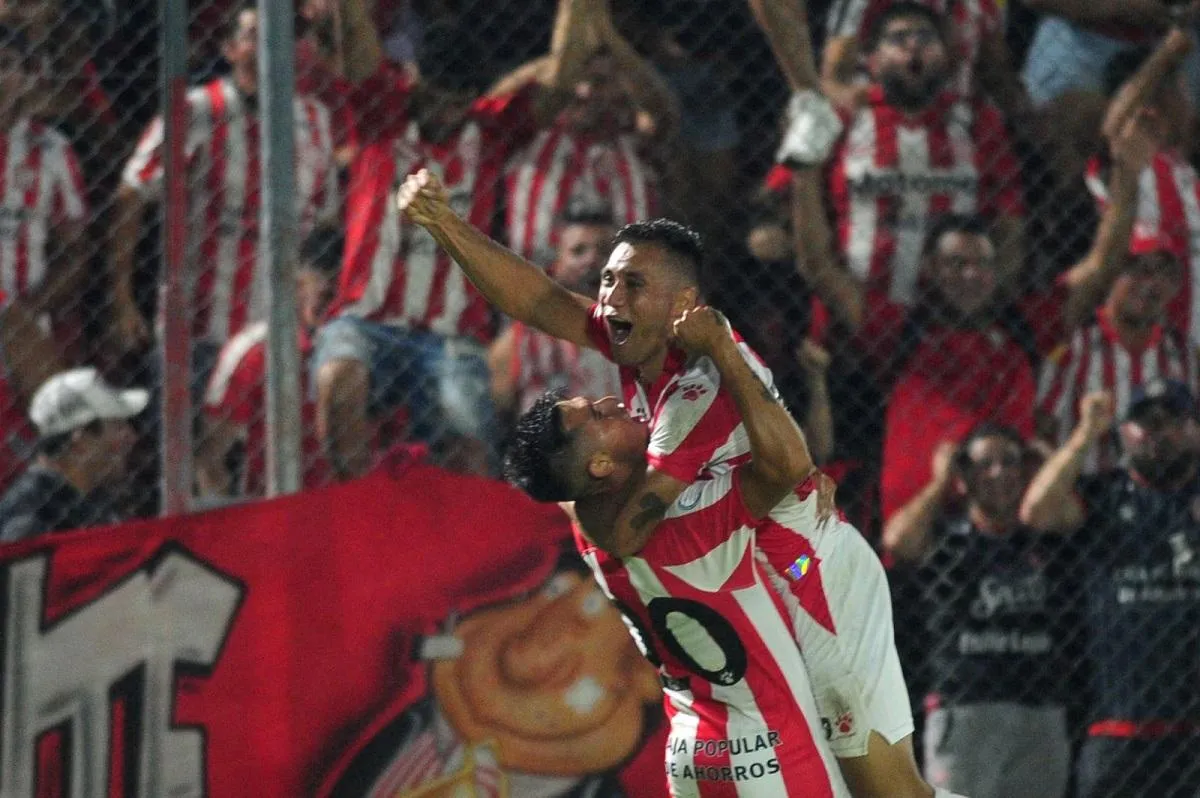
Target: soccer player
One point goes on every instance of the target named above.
(649, 281)
(698, 600)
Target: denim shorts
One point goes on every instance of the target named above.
(1064, 56)
(444, 383)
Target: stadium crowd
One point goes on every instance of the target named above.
(967, 256)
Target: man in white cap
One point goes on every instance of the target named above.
(84, 438)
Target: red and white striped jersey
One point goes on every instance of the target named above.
(562, 169)
(1096, 360)
(696, 432)
(543, 363)
(223, 163)
(1168, 208)
(705, 430)
(41, 187)
(699, 603)
(972, 21)
(893, 173)
(394, 272)
(236, 393)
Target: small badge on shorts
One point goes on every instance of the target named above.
(844, 719)
(839, 723)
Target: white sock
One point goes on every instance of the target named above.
(939, 792)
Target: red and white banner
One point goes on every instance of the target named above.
(412, 635)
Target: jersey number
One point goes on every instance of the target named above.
(694, 634)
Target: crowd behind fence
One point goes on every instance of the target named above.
(967, 254)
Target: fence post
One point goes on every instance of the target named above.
(176, 292)
(276, 71)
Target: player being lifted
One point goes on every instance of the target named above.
(838, 603)
(650, 280)
(735, 687)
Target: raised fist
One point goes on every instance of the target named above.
(701, 330)
(422, 198)
(943, 459)
(1096, 413)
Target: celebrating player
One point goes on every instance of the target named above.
(649, 281)
(699, 602)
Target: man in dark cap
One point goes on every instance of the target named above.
(1138, 528)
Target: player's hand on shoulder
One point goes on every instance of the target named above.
(422, 198)
(701, 330)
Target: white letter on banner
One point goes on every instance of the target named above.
(175, 611)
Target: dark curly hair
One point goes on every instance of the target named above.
(538, 460)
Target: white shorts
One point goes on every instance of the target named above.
(854, 669)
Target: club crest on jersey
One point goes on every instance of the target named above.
(689, 499)
(692, 391)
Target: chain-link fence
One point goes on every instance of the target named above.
(993, 217)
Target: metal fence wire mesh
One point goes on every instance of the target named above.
(966, 252)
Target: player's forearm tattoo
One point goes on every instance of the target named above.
(653, 509)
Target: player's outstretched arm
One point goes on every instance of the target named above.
(514, 285)
(779, 456)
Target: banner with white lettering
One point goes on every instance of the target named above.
(413, 635)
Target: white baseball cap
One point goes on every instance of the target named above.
(75, 398)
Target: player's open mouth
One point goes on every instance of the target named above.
(619, 330)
